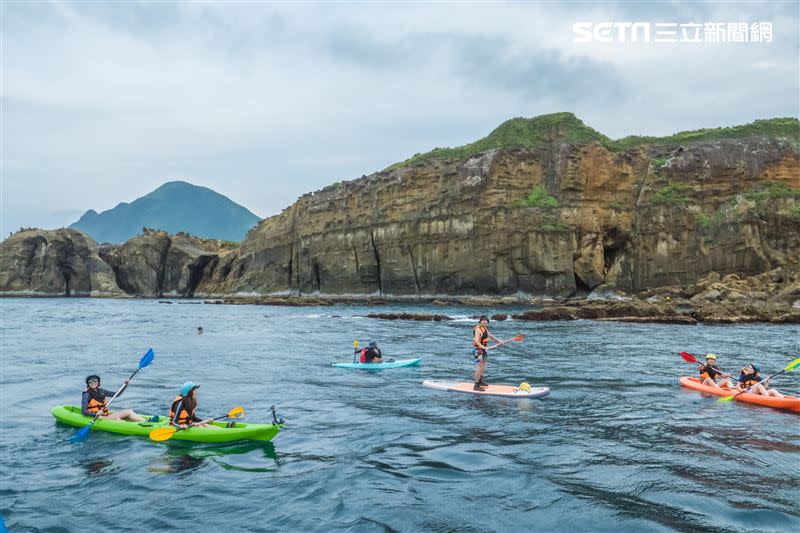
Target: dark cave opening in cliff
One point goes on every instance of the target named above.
(581, 289)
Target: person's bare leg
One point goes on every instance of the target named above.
(479, 371)
(127, 414)
(710, 382)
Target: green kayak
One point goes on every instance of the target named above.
(71, 415)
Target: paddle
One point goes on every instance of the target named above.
(160, 434)
(355, 350)
(146, 359)
(791, 366)
(689, 358)
(501, 343)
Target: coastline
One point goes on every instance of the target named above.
(618, 309)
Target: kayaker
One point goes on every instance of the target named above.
(94, 401)
(480, 341)
(182, 411)
(199, 330)
(372, 354)
(749, 379)
(709, 373)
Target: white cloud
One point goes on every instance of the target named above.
(263, 102)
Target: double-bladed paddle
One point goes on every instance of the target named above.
(146, 359)
(794, 365)
(161, 434)
(689, 358)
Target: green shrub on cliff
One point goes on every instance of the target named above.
(659, 162)
(519, 132)
(536, 132)
(709, 222)
(794, 212)
(670, 195)
(538, 197)
(784, 127)
(768, 189)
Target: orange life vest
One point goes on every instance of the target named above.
(94, 406)
(484, 337)
(182, 417)
(748, 380)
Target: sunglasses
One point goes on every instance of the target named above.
(94, 381)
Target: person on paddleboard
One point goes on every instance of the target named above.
(749, 379)
(95, 399)
(480, 342)
(709, 372)
(182, 411)
(371, 354)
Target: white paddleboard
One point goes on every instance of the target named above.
(506, 391)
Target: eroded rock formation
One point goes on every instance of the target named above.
(561, 211)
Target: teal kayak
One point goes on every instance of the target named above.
(380, 366)
(71, 415)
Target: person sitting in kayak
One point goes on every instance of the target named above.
(371, 354)
(710, 371)
(480, 341)
(182, 411)
(94, 401)
(749, 379)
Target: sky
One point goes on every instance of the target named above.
(101, 103)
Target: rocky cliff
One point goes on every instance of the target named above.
(67, 262)
(540, 207)
(563, 212)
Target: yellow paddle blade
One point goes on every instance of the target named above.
(725, 399)
(160, 434)
(236, 412)
(355, 344)
(793, 365)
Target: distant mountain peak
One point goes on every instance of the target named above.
(175, 206)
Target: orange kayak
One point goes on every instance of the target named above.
(791, 403)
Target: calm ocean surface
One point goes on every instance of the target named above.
(617, 446)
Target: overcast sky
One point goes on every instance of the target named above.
(102, 103)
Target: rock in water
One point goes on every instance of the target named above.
(61, 262)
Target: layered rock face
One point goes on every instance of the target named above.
(69, 263)
(64, 261)
(540, 207)
(558, 220)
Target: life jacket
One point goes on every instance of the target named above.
(363, 358)
(710, 371)
(96, 405)
(184, 416)
(748, 380)
(484, 337)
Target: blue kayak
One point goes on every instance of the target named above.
(380, 366)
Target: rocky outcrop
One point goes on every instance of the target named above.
(541, 208)
(559, 219)
(60, 262)
(69, 263)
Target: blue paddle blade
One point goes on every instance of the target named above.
(147, 358)
(81, 434)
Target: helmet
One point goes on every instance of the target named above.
(525, 386)
(90, 378)
(484, 317)
(711, 356)
(373, 344)
(187, 387)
